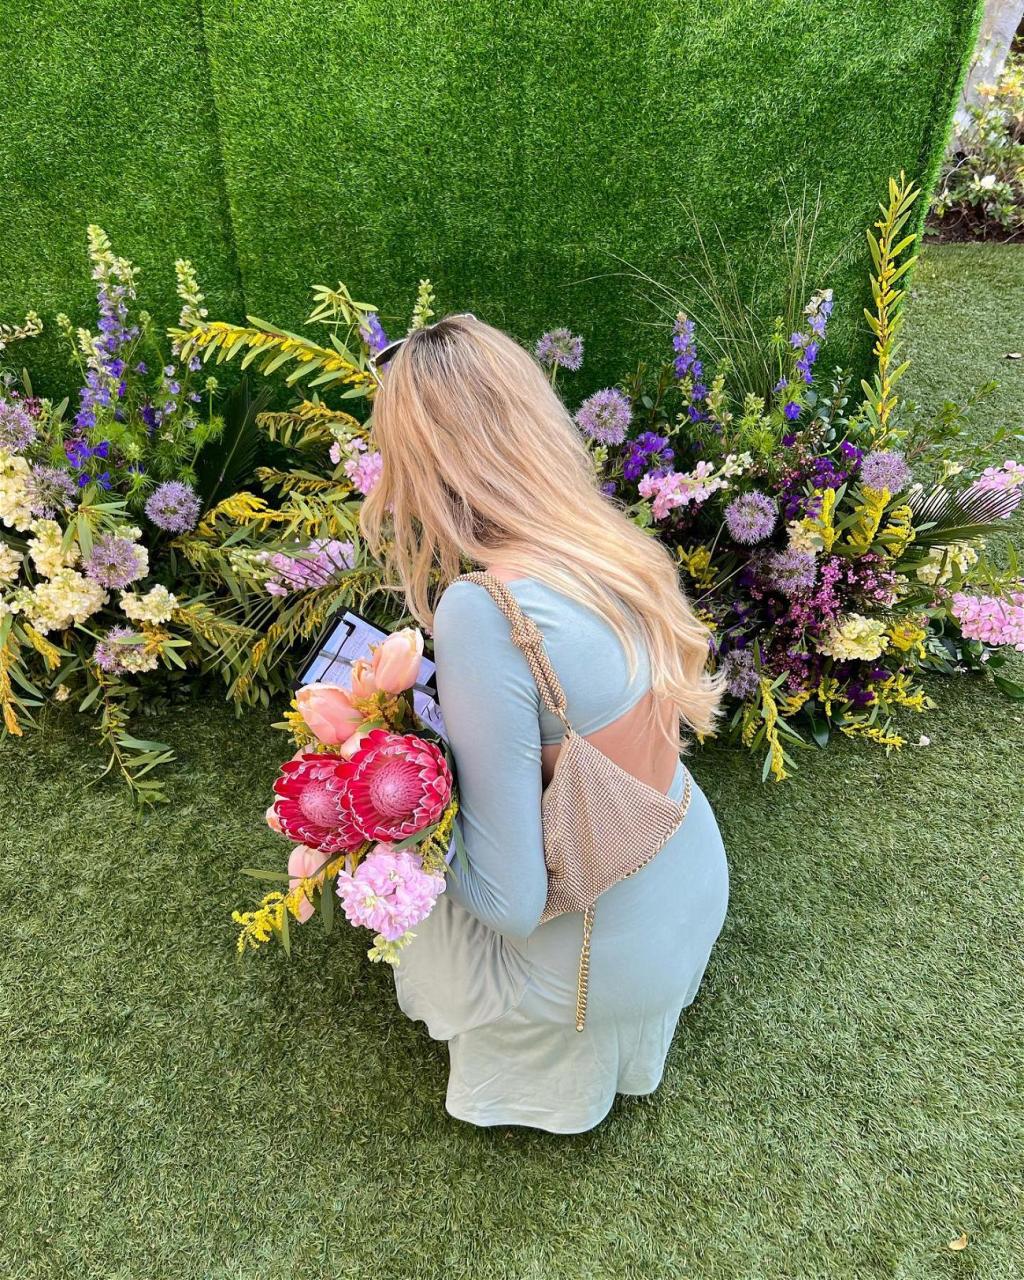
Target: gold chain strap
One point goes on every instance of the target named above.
(584, 974)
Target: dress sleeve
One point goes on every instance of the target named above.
(491, 710)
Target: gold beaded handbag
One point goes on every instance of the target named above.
(600, 823)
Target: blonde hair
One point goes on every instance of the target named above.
(482, 463)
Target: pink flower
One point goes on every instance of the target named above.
(396, 662)
(991, 619)
(309, 805)
(303, 863)
(394, 786)
(273, 821)
(364, 471)
(389, 892)
(363, 684)
(328, 710)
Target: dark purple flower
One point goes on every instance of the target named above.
(792, 410)
(174, 507)
(741, 675)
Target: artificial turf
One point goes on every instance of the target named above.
(843, 1100)
(515, 152)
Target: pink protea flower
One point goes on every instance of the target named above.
(394, 785)
(389, 892)
(310, 805)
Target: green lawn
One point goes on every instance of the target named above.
(842, 1101)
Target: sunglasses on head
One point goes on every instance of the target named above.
(378, 361)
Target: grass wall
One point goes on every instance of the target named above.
(106, 115)
(508, 150)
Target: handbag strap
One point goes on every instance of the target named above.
(527, 637)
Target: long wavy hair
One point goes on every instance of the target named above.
(482, 463)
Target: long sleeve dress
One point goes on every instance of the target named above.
(482, 972)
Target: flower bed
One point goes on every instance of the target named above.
(835, 544)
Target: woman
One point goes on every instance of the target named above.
(482, 463)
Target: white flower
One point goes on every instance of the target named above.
(69, 597)
(15, 475)
(960, 554)
(10, 563)
(987, 182)
(157, 605)
(46, 549)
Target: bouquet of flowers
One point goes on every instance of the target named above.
(369, 802)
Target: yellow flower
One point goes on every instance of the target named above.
(855, 637)
(867, 518)
(697, 564)
(904, 635)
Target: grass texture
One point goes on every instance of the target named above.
(513, 152)
(106, 115)
(842, 1101)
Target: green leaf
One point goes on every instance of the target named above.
(327, 905)
(1008, 687)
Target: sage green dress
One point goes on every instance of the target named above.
(482, 972)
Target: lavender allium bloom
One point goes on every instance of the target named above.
(605, 416)
(885, 469)
(173, 506)
(107, 653)
(740, 675)
(50, 490)
(116, 561)
(751, 517)
(17, 428)
(792, 571)
(792, 411)
(560, 348)
(372, 333)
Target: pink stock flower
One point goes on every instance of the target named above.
(364, 471)
(389, 892)
(396, 662)
(302, 863)
(394, 786)
(991, 619)
(328, 710)
(309, 803)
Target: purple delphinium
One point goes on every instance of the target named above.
(115, 288)
(741, 678)
(751, 517)
(792, 411)
(885, 469)
(644, 450)
(50, 490)
(808, 344)
(372, 333)
(688, 366)
(116, 561)
(791, 571)
(561, 349)
(605, 416)
(174, 507)
(17, 427)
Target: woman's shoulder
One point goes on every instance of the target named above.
(467, 609)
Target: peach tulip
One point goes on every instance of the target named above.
(303, 862)
(349, 748)
(396, 662)
(328, 710)
(274, 822)
(363, 684)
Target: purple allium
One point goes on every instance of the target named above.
(885, 469)
(174, 507)
(50, 490)
(372, 333)
(560, 348)
(792, 411)
(107, 654)
(792, 571)
(751, 517)
(605, 416)
(17, 428)
(116, 561)
(740, 674)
